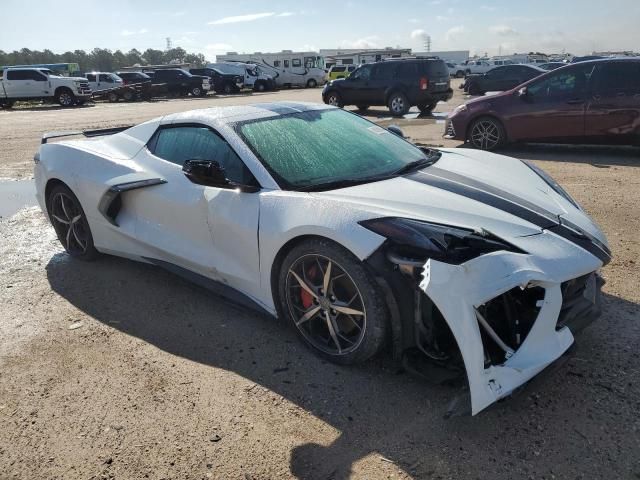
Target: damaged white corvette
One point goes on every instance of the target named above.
(475, 263)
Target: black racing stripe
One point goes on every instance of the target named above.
(507, 202)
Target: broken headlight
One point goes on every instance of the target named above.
(455, 245)
(555, 186)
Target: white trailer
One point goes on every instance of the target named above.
(302, 69)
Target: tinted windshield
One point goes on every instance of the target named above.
(307, 149)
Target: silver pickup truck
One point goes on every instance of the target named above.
(42, 84)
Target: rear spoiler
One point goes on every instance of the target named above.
(86, 133)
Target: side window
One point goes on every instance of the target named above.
(617, 77)
(407, 70)
(179, 144)
(562, 85)
(37, 76)
(91, 77)
(276, 63)
(286, 64)
(383, 71)
(296, 62)
(309, 62)
(362, 73)
(18, 75)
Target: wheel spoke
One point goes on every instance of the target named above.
(80, 242)
(308, 316)
(64, 209)
(68, 238)
(327, 279)
(59, 219)
(306, 287)
(346, 310)
(333, 331)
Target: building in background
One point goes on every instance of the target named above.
(452, 56)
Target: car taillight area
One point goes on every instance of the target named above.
(424, 83)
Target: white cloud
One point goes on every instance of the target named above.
(441, 18)
(364, 42)
(414, 20)
(419, 33)
(487, 8)
(285, 14)
(128, 33)
(242, 18)
(454, 32)
(503, 30)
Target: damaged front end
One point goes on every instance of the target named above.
(472, 303)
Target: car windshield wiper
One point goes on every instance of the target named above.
(347, 182)
(416, 165)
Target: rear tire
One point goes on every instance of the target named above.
(260, 87)
(128, 96)
(227, 89)
(487, 133)
(398, 104)
(70, 223)
(113, 97)
(338, 336)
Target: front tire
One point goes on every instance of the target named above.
(196, 91)
(362, 108)
(65, 98)
(398, 104)
(260, 87)
(333, 303)
(334, 99)
(70, 223)
(312, 83)
(487, 133)
(427, 109)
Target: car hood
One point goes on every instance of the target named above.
(471, 189)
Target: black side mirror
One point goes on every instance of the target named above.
(211, 174)
(396, 130)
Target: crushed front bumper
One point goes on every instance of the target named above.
(461, 292)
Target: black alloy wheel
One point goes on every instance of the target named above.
(70, 223)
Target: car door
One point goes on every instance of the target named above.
(552, 107)
(22, 84)
(613, 108)
(381, 77)
(36, 85)
(353, 87)
(208, 230)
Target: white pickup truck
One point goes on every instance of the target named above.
(42, 84)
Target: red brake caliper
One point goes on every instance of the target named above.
(305, 296)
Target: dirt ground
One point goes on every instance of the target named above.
(115, 369)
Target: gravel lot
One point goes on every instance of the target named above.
(115, 369)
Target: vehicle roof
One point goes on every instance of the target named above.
(237, 113)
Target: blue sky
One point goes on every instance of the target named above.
(211, 26)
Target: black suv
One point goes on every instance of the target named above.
(181, 82)
(398, 83)
(220, 82)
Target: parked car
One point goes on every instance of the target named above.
(181, 82)
(399, 84)
(340, 71)
(42, 84)
(594, 101)
(457, 71)
(500, 79)
(551, 65)
(103, 81)
(477, 66)
(134, 77)
(252, 75)
(479, 263)
(220, 82)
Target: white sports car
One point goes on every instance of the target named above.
(474, 262)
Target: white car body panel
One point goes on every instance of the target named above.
(234, 237)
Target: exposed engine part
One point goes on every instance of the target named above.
(496, 338)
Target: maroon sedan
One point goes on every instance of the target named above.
(595, 102)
